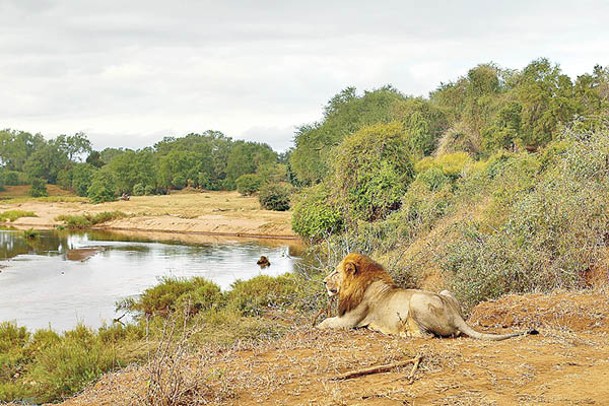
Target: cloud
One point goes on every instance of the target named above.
(255, 70)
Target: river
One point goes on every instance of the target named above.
(58, 279)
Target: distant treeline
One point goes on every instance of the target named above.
(487, 110)
(209, 161)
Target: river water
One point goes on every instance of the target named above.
(50, 281)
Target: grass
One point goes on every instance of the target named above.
(12, 215)
(173, 321)
(85, 221)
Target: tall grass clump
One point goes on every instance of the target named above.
(12, 215)
(45, 366)
(85, 221)
(172, 295)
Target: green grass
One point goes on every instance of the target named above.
(12, 215)
(85, 221)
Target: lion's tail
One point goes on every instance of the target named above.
(466, 329)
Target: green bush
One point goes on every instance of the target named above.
(63, 368)
(372, 170)
(275, 196)
(12, 215)
(138, 189)
(257, 295)
(314, 215)
(184, 296)
(248, 184)
(85, 221)
(39, 188)
(13, 178)
(540, 230)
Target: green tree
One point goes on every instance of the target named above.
(132, 167)
(102, 188)
(16, 147)
(547, 99)
(247, 157)
(344, 114)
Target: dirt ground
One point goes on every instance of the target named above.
(208, 213)
(566, 364)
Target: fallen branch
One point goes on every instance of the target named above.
(414, 369)
(380, 368)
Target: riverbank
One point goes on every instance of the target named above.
(196, 213)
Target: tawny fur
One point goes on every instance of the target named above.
(368, 297)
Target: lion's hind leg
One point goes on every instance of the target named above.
(414, 330)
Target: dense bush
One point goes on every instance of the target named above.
(46, 366)
(39, 188)
(248, 184)
(183, 296)
(541, 231)
(314, 214)
(372, 170)
(257, 295)
(275, 196)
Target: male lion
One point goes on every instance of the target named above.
(367, 297)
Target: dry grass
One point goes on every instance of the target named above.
(565, 364)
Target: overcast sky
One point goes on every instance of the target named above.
(130, 72)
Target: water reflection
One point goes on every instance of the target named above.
(61, 278)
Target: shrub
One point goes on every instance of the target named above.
(81, 222)
(248, 184)
(13, 178)
(275, 196)
(546, 228)
(256, 296)
(138, 189)
(66, 366)
(39, 188)
(187, 296)
(12, 215)
(314, 215)
(372, 171)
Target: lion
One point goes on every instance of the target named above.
(368, 297)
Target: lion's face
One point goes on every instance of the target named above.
(333, 282)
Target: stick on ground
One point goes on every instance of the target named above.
(378, 369)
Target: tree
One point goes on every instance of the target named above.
(247, 157)
(547, 99)
(344, 114)
(39, 188)
(74, 146)
(102, 188)
(16, 147)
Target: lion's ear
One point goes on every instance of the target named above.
(350, 268)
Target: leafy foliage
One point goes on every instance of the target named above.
(248, 184)
(39, 188)
(372, 170)
(314, 214)
(275, 196)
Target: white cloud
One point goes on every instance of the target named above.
(127, 72)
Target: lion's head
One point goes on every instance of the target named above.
(351, 278)
(332, 282)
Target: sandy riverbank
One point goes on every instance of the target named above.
(210, 213)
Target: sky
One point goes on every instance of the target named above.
(129, 72)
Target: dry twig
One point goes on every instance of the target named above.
(380, 368)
